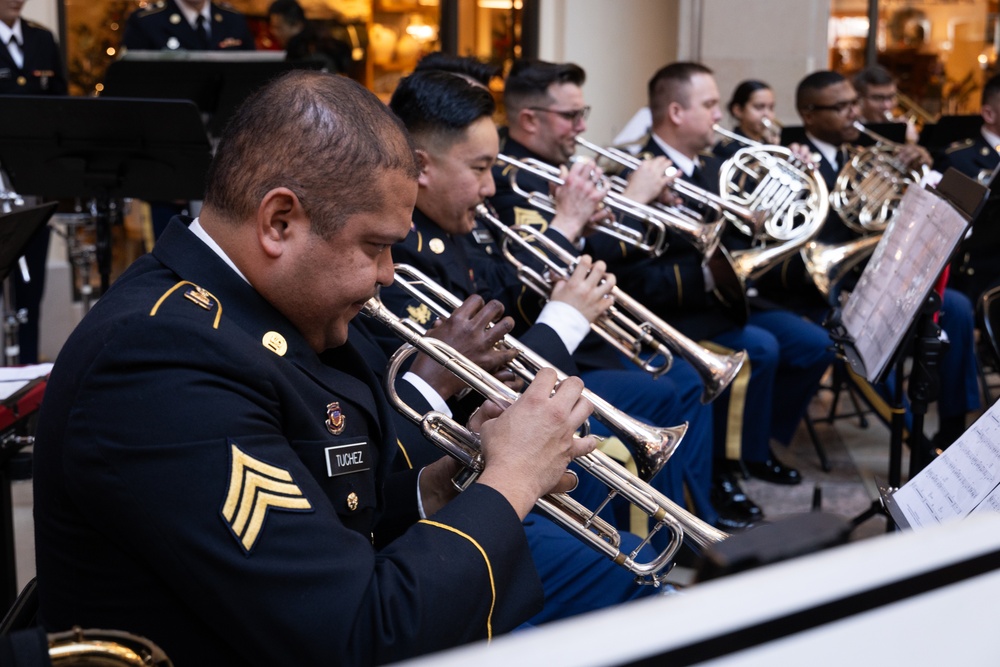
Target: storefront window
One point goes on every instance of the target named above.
(940, 51)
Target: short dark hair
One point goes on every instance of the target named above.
(528, 82)
(805, 92)
(876, 75)
(470, 67)
(743, 91)
(436, 105)
(290, 10)
(321, 135)
(671, 83)
(991, 90)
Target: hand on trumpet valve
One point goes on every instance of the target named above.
(651, 180)
(587, 289)
(578, 199)
(529, 445)
(474, 329)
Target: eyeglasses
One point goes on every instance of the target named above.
(881, 99)
(572, 116)
(839, 107)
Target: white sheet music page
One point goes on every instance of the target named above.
(899, 275)
(963, 480)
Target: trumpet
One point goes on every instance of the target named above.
(464, 445)
(871, 185)
(627, 325)
(719, 207)
(652, 239)
(104, 648)
(651, 446)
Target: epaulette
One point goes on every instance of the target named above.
(959, 145)
(152, 9)
(196, 295)
(725, 141)
(32, 24)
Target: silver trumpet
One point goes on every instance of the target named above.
(719, 207)
(656, 221)
(828, 264)
(651, 446)
(464, 445)
(627, 325)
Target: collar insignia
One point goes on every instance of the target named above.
(275, 342)
(175, 18)
(335, 418)
(256, 487)
(200, 296)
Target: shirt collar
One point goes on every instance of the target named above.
(992, 139)
(200, 232)
(681, 161)
(192, 16)
(6, 32)
(827, 150)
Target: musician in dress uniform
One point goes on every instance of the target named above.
(191, 25)
(752, 107)
(213, 457)
(976, 268)
(786, 352)
(545, 113)
(828, 106)
(30, 64)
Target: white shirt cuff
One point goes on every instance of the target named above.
(568, 322)
(430, 395)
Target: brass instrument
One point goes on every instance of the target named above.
(627, 325)
(771, 179)
(463, 445)
(828, 264)
(716, 206)
(871, 185)
(656, 221)
(651, 445)
(104, 648)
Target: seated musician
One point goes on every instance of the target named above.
(828, 106)
(212, 457)
(977, 269)
(441, 241)
(752, 107)
(545, 113)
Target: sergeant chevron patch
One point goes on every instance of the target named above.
(254, 488)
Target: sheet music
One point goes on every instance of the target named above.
(899, 275)
(963, 480)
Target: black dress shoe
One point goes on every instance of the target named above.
(736, 510)
(774, 471)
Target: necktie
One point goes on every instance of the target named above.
(201, 32)
(15, 52)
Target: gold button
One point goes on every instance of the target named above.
(21, 81)
(352, 501)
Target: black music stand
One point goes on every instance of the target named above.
(796, 134)
(16, 230)
(936, 137)
(216, 82)
(922, 339)
(104, 149)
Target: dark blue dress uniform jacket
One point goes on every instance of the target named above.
(183, 489)
(152, 28)
(42, 71)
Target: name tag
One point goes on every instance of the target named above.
(345, 459)
(482, 236)
(5, 73)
